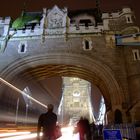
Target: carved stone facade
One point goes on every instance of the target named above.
(102, 50)
(56, 18)
(76, 100)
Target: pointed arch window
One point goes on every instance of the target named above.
(87, 44)
(22, 47)
(129, 19)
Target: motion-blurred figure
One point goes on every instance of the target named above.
(47, 122)
(87, 129)
(80, 127)
(84, 129)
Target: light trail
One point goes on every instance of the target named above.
(13, 133)
(67, 134)
(21, 92)
(22, 137)
(7, 130)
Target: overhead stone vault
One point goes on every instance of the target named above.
(66, 64)
(81, 44)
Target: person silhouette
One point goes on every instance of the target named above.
(84, 129)
(81, 130)
(87, 129)
(47, 124)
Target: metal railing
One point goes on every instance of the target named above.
(128, 131)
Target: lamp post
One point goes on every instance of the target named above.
(17, 107)
(26, 115)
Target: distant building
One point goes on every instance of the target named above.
(76, 100)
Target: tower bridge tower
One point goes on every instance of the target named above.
(76, 101)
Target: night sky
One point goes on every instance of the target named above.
(13, 8)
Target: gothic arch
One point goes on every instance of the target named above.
(82, 66)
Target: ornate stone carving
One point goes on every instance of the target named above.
(56, 18)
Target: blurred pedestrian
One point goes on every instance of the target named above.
(47, 124)
(93, 130)
(84, 130)
(87, 129)
(81, 130)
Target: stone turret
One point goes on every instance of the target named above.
(118, 21)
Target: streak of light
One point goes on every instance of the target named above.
(7, 130)
(13, 133)
(22, 137)
(67, 134)
(21, 92)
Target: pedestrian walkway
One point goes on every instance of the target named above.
(67, 134)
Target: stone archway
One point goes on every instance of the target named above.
(73, 65)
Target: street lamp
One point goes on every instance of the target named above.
(17, 107)
(26, 115)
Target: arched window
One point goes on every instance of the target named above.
(22, 47)
(129, 19)
(136, 54)
(86, 44)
